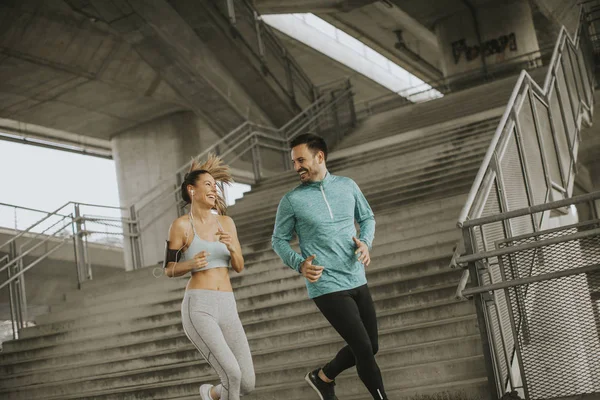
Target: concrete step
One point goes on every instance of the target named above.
(184, 381)
(431, 252)
(388, 229)
(403, 143)
(371, 191)
(399, 175)
(266, 214)
(433, 272)
(414, 302)
(56, 342)
(391, 338)
(99, 287)
(431, 189)
(378, 171)
(394, 242)
(389, 295)
(262, 357)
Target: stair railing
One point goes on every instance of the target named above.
(531, 161)
(72, 223)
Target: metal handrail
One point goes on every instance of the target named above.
(22, 255)
(23, 232)
(442, 83)
(500, 131)
(34, 263)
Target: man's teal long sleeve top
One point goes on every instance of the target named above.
(322, 214)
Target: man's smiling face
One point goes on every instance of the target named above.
(307, 164)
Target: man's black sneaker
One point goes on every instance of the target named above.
(325, 390)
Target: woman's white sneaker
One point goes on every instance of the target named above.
(205, 391)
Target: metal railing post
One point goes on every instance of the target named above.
(13, 307)
(80, 250)
(135, 238)
(256, 160)
(231, 12)
(76, 254)
(481, 319)
(23, 293)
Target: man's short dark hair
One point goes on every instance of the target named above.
(312, 141)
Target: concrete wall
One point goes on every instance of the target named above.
(506, 27)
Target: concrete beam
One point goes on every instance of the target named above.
(377, 25)
(308, 6)
(20, 132)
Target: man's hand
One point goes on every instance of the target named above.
(310, 271)
(363, 250)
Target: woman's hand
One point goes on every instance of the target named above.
(201, 259)
(226, 239)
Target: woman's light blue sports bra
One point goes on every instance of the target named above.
(219, 255)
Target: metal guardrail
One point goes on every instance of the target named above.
(538, 301)
(529, 170)
(450, 84)
(72, 223)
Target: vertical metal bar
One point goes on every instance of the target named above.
(481, 318)
(13, 311)
(524, 169)
(231, 12)
(564, 70)
(517, 347)
(23, 294)
(179, 210)
(540, 142)
(257, 27)
(88, 261)
(564, 119)
(18, 303)
(551, 117)
(336, 118)
(256, 161)
(79, 241)
(134, 230)
(76, 252)
(289, 76)
(575, 71)
(351, 103)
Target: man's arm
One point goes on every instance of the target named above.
(285, 223)
(364, 216)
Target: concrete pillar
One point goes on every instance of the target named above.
(144, 156)
(490, 33)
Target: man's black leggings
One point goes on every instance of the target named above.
(352, 314)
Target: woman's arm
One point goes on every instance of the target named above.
(178, 241)
(230, 239)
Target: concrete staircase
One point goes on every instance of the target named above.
(121, 337)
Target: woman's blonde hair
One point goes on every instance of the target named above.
(214, 166)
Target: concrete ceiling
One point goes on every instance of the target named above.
(376, 24)
(61, 71)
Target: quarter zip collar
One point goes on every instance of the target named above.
(326, 180)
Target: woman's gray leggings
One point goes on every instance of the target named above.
(210, 320)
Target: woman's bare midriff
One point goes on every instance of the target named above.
(211, 279)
